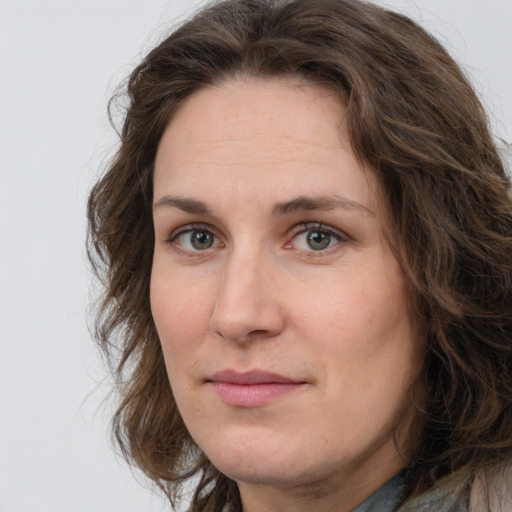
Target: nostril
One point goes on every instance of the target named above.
(247, 327)
(246, 307)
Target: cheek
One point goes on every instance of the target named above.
(362, 306)
(178, 320)
(180, 312)
(363, 335)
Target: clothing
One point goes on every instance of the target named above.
(496, 498)
(388, 497)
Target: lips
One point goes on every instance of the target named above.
(250, 378)
(251, 389)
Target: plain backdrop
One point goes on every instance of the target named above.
(60, 61)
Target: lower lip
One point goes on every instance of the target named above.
(253, 395)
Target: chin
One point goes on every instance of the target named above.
(239, 451)
(265, 471)
(263, 459)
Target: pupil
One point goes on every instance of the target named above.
(318, 240)
(201, 239)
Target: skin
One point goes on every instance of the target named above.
(334, 319)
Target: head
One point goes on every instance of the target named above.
(416, 137)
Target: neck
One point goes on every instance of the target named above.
(340, 494)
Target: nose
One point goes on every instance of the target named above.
(247, 306)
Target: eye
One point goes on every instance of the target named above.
(316, 238)
(196, 239)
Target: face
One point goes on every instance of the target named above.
(281, 310)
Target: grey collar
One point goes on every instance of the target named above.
(386, 498)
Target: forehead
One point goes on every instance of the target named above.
(268, 137)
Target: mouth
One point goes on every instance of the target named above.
(251, 389)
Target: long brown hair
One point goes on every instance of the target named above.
(415, 121)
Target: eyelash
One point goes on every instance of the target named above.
(189, 229)
(318, 227)
(303, 228)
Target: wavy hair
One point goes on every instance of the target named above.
(415, 121)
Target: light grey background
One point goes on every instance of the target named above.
(59, 63)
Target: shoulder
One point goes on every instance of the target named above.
(492, 490)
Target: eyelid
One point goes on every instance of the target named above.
(320, 226)
(187, 228)
(190, 227)
(297, 230)
(304, 227)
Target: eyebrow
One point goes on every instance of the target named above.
(298, 204)
(304, 203)
(185, 204)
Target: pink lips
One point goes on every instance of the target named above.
(251, 389)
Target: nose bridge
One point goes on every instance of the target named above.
(246, 306)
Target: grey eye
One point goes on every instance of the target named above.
(318, 240)
(201, 240)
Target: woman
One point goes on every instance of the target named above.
(305, 243)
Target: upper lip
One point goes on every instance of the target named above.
(250, 377)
